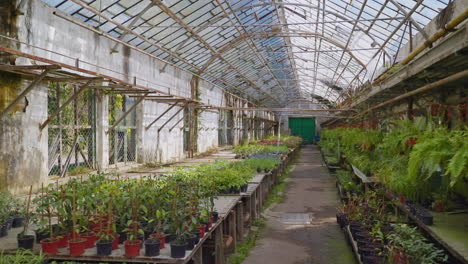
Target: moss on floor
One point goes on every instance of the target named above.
(340, 252)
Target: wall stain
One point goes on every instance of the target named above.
(9, 14)
(10, 84)
(126, 61)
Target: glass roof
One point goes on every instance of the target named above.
(272, 52)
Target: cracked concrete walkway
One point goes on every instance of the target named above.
(302, 229)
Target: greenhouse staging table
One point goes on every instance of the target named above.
(223, 204)
(447, 230)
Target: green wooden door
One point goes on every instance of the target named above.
(304, 127)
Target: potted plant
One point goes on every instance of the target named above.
(77, 244)
(43, 203)
(26, 241)
(133, 244)
(178, 217)
(159, 233)
(106, 234)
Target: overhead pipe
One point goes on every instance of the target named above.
(425, 88)
(428, 43)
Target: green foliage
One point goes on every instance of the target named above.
(414, 245)
(21, 257)
(247, 150)
(345, 178)
(415, 158)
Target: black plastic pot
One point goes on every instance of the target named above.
(341, 219)
(372, 260)
(259, 170)
(215, 216)
(104, 247)
(367, 251)
(197, 235)
(178, 251)
(244, 188)
(26, 241)
(40, 235)
(3, 230)
(9, 222)
(18, 221)
(152, 247)
(122, 237)
(148, 231)
(191, 242)
(361, 235)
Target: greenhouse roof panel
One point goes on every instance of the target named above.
(277, 49)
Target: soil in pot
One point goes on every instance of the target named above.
(18, 221)
(104, 247)
(178, 251)
(132, 248)
(41, 234)
(26, 241)
(77, 246)
(152, 247)
(90, 238)
(50, 245)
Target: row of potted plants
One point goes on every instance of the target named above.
(381, 239)
(419, 159)
(105, 211)
(279, 145)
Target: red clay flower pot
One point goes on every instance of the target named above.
(50, 245)
(202, 230)
(63, 241)
(162, 239)
(115, 242)
(90, 239)
(77, 246)
(132, 248)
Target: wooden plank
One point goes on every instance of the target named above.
(5, 67)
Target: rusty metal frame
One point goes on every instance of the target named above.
(174, 115)
(161, 115)
(126, 113)
(23, 94)
(68, 101)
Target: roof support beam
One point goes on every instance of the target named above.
(172, 117)
(161, 115)
(390, 36)
(172, 15)
(126, 29)
(251, 44)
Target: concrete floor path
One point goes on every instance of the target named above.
(302, 229)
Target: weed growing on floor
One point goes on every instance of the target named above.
(244, 248)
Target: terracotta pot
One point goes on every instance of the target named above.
(132, 248)
(90, 238)
(50, 245)
(202, 229)
(77, 246)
